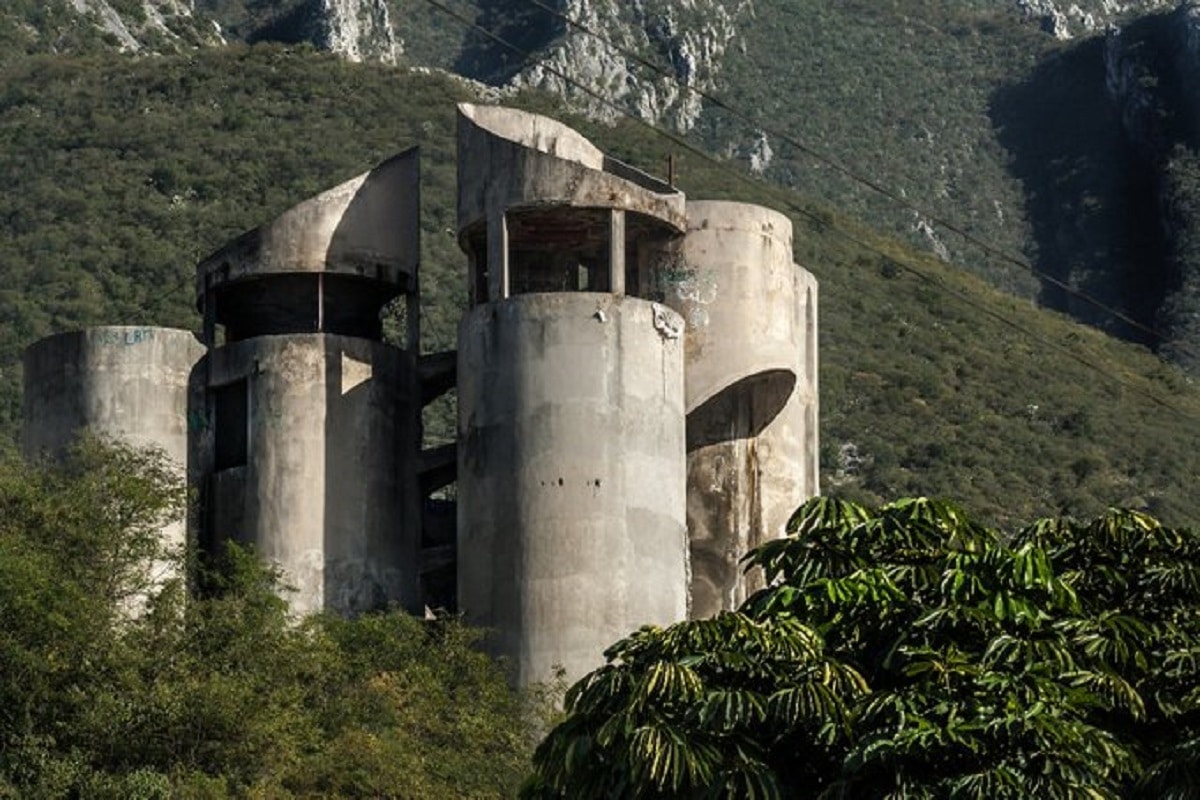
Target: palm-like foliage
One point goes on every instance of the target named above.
(977, 690)
(1138, 585)
(910, 652)
(709, 708)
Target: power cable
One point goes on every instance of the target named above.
(871, 184)
(791, 203)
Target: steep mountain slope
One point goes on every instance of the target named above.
(1014, 122)
(123, 172)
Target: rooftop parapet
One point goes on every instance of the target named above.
(326, 264)
(540, 208)
(509, 158)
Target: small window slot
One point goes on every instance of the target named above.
(231, 406)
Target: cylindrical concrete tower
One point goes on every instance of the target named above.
(571, 467)
(751, 390)
(571, 482)
(128, 383)
(124, 383)
(314, 423)
(310, 464)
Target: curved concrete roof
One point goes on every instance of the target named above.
(536, 132)
(510, 159)
(368, 226)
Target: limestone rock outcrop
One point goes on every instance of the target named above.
(1064, 20)
(687, 39)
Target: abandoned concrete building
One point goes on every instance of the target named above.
(636, 382)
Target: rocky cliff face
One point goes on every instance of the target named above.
(684, 40)
(359, 30)
(1064, 20)
(1079, 155)
(1150, 69)
(1106, 141)
(153, 25)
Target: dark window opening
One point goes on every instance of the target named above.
(479, 266)
(303, 303)
(231, 407)
(653, 259)
(541, 270)
(564, 250)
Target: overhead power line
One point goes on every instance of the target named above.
(873, 185)
(785, 197)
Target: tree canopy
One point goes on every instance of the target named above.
(220, 694)
(908, 651)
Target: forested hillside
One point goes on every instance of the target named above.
(121, 173)
(1042, 144)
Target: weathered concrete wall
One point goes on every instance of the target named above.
(737, 293)
(127, 383)
(571, 475)
(322, 481)
(751, 390)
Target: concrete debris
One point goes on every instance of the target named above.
(667, 322)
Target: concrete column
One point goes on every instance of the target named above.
(616, 250)
(126, 383)
(809, 390)
(751, 390)
(497, 251)
(571, 527)
(323, 484)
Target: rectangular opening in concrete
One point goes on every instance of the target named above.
(231, 407)
(559, 250)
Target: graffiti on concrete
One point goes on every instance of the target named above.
(197, 421)
(695, 289)
(125, 337)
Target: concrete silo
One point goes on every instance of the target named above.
(571, 468)
(118, 382)
(313, 427)
(751, 390)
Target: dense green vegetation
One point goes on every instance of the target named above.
(911, 652)
(219, 695)
(898, 93)
(1028, 162)
(122, 173)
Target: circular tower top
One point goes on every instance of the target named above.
(328, 263)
